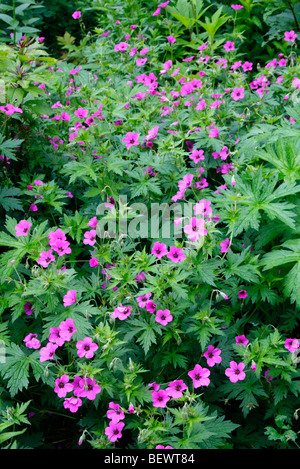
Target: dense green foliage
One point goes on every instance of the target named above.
(103, 119)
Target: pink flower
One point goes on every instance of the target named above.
(291, 345)
(176, 254)
(153, 386)
(33, 208)
(150, 306)
(171, 39)
(203, 208)
(67, 329)
(131, 408)
(131, 139)
(214, 132)
(247, 66)
(55, 336)
(235, 372)
(94, 262)
(22, 228)
(225, 245)
(237, 7)
(212, 355)
(143, 299)
(229, 46)
(90, 237)
(27, 308)
(86, 348)
(163, 317)
(152, 133)
(175, 388)
(115, 414)
(160, 398)
(31, 341)
(157, 12)
(72, 403)
(93, 222)
(241, 340)
(163, 447)
(47, 353)
(243, 294)
(113, 431)
(70, 298)
(62, 386)
(199, 376)
(122, 312)
(89, 388)
(296, 82)
(81, 113)
(76, 15)
(140, 62)
(195, 229)
(121, 47)
(46, 257)
(61, 247)
(197, 155)
(159, 250)
(238, 93)
(290, 36)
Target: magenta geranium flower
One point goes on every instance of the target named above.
(159, 250)
(131, 139)
(142, 299)
(32, 342)
(291, 345)
(115, 414)
(67, 329)
(27, 308)
(195, 229)
(163, 447)
(203, 207)
(163, 317)
(241, 340)
(46, 257)
(171, 39)
(86, 348)
(94, 262)
(212, 355)
(47, 353)
(290, 36)
(225, 245)
(150, 306)
(89, 388)
(160, 398)
(235, 372)
(76, 15)
(70, 298)
(197, 155)
(175, 388)
(81, 113)
(72, 403)
(121, 47)
(22, 228)
(93, 222)
(199, 376)
(61, 247)
(62, 386)
(229, 45)
(113, 431)
(237, 93)
(55, 336)
(122, 312)
(243, 294)
(90, 237)
(176, 254)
